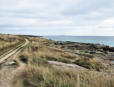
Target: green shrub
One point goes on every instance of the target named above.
(24, 59)
(26, 83)
(51, 58)
(89, 65)
(83, 63)
(88, 55)
(64, 60)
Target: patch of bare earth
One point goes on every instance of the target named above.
(7, 71)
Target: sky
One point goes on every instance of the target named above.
(57, 17)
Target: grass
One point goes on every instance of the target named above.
(80, 52)
(87, 55)
(38, 73)
(7, 42)
(90, 63)
(49, 53)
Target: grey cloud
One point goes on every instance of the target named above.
(47, 16)
(87, 6)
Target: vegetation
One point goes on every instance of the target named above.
(7, 42)
(24, 59)
(15, 63)
(39, 73)
(90, 63)
(80, 52)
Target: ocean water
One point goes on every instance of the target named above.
(106, 40)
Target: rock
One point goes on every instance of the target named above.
(111, 49)
(65, 65)
(111, 56)
(10, 63)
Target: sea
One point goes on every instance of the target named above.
(105, 40)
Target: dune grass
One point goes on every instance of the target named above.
(38, 73)
(7, 42)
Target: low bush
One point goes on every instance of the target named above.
(64, 60)
(89, 64)
(87, 55)
(24, 59)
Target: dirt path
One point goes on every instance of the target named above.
(13, 52)
(7, 72)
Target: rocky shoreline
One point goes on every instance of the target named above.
(86, 49)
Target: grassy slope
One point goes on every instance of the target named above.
(39, 73)
(7, 42)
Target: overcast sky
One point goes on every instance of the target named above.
(57, 17)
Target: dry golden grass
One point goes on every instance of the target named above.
(39, 73)
(8, 41)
